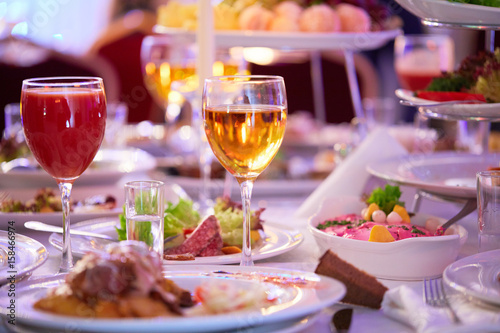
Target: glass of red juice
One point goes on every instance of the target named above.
(63, 121)
(420, 58)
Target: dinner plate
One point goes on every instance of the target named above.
(356, 41)
(288, 326)
(447, 174)
(279, 239)
(476, 276)
(28, 255)
(298, 294)
(455, 13)
(172, 193)
(483, 112)
(108, 167)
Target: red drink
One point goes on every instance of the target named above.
(416, 80)
(64, 128)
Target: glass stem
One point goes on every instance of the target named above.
(246, 195)
(67, 256)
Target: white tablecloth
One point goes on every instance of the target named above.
(305, 257)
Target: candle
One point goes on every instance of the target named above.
(205, 41)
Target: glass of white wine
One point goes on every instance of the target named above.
(244, 119)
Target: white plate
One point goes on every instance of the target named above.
(446, 12)
(293, 40)
(288, 326)
(447, 174)
(483, 112)
(279, 239)
(262, 187)
(172, 194)
(477, 276)
(293, 302)
(29, 254)
(109, 166)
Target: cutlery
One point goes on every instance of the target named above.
(435, 296)
(40, 226)
(341, 320)
(16, 163)
(469, 207)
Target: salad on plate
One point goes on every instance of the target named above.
(217, 234)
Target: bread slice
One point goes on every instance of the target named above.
(362, 288)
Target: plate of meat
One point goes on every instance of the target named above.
(276, 239)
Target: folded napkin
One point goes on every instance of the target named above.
(350, 176)
(406, 305)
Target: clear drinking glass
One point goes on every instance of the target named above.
(244, 119)
(420, 58)
(488, 210)
(169, 68)
(64, 119)
(144, 211)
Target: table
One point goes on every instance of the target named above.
(305, 257)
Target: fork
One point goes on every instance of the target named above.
(434, 295)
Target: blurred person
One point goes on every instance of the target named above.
(120, 45)
(21, 59)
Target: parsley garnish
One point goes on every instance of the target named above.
(331, 223)
(414, 230)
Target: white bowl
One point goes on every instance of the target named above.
(407, 259)
(443, 11)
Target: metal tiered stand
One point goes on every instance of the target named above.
(458, 16)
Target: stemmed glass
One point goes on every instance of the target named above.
(64, 119)
(244, 119)
(169, 68)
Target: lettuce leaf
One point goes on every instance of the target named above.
(177, 218)
(386, 198)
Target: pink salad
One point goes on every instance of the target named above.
(355, 227)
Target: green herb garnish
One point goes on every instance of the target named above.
(331, 223)
(386, 198)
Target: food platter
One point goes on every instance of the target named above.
(447, 174)
(294, 302)
(476, 112)
(172, 194)
(291, 40)
(417, 257)
(108, 167)
(279, 239)
(453, 13)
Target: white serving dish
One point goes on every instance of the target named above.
(456, 13)
(407, 259)
(355, 41)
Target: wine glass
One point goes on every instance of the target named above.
(169, 69)
(64, 119)
(420, 58)
(244, 119)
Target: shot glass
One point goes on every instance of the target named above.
(488, 210)
(144, 211)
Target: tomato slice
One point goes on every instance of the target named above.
(444, 96)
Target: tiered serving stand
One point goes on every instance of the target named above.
(314, 43)
(439, 13)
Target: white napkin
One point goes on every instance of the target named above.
(407, 306)
(350, 176)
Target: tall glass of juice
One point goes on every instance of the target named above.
(420, 58)
(244, 119)
(64, 120)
